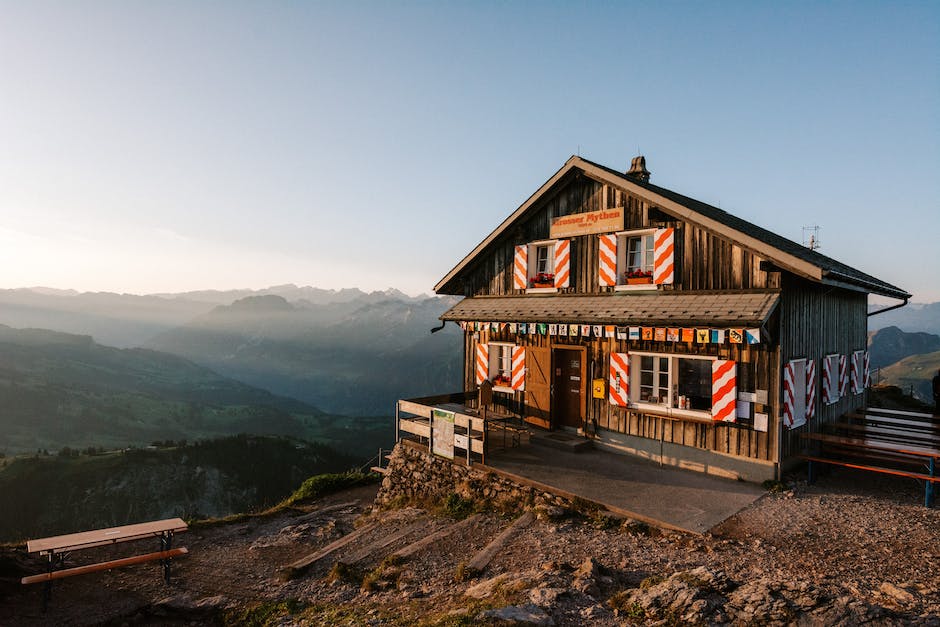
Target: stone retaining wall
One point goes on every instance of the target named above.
(416, 475)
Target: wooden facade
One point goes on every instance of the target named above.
(713, 253)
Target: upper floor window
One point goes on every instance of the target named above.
(634, 259)
(542, 266)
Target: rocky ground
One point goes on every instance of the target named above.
(852, 549)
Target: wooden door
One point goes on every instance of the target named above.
(538, 386)
(568, 388)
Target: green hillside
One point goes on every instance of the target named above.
(912, 373)
(61, 390)
(49, 495)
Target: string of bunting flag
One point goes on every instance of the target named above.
(639, 333)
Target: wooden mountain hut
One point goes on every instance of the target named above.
(658, 325)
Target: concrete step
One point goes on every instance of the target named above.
(563, 441)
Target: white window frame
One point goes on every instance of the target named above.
(532, 270)
(500, 355)
(671, 404)
(835, 391)
(623, 244)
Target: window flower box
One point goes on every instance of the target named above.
(638, 277)
(542, 279)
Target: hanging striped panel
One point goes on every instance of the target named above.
(827, 391)
(562, 262)
(867, 371)
(518, 368)
(483, 363)
(843, 372)
(857, 372)
(724, 390)
(520, 268)
(607, 260)
(788, 401)
(810, 388)
(664, 256)
(619, 384)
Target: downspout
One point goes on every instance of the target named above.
(875, 313)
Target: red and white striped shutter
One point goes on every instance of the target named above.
(856, 373)
(867, 370)
(788, 401)
(520, 268)
(810, 388)
(483, 363)
(724, 390)
(607, 260)
(619, 383)
(518, 368)
(562, 262)
(664, 256)
(843, 375)
(827, 395)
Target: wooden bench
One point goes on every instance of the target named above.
(58, 548)
(859, 453)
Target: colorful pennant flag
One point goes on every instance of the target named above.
(736, 336)
(659, 334)
(688, 335)
(646, 333)
(562, 329)
(609, 330)
(573, 330)
(753, 336)
(718, 336)
(553, 329)
(512, 327)
(523, 328)
(598, 332)
(543, 328)
(702, 336)
(634, 333)
(586, 330)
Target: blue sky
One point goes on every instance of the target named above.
(167, 146)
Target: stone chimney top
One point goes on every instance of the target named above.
(638, 169)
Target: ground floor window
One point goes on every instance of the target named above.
(681, 382)
(500, 372)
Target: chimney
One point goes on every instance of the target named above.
(638, 169)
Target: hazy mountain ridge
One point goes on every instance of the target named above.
(357, 356)
(127, 320)
(911, 318)
(61, 390)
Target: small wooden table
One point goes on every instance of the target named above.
(58, 548)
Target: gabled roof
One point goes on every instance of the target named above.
(672, 308)
(783, 252)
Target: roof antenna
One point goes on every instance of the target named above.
(813, 242)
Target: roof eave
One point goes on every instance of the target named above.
(837, 279)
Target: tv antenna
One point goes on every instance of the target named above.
(811, 236)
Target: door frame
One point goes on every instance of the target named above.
(556, 420)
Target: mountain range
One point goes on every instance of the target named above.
(62, 390)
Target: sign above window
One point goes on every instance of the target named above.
(603, 221)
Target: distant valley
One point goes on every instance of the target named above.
(344, 351)
(61, 390)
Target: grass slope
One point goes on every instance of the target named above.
(66, 493)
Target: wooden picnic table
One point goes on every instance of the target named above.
(879, 448)
(879, 431)
(58, 548)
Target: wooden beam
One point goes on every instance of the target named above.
(91, 568)
(305, 562)
(426, 541)
(482, 559)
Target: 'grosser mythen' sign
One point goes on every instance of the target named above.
(603, 221)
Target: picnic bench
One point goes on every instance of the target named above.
(58, 548)
(905, 444)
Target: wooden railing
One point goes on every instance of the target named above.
(473, 429)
